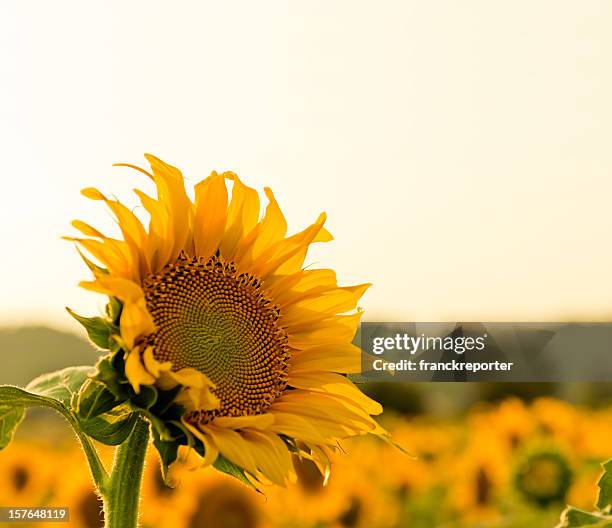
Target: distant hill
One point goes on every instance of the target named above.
(29, 351)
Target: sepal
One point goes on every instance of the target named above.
(95, 399)
(98, 329)
(112, 428)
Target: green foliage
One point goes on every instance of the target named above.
(85, 404)
(55, 390)
(94, 399)
(604, 501)
(98, 329)
(112, 428)
(62, 385)
(225, 466)
(168, 453)
(113, 310)
(575, 518)
(10, 418)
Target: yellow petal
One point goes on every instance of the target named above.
(242, 215)
(114, 254)
(160, 241)
(307, 283)
(232, 446)
(123, 289)
(87, 230)
(298, 427)
(135, 318)
(135, 321)
(272, 458)
(337, 329)
(343, 357)
(254, 421)
(95, 269)
(191, 377)
(334, 384)
(321, 306)
(92, 193)
(211, 452)
(210, 214)
(271, 230)
(287, 256)
(171, 193)
(321, 456)
(198, 399)
(135, 371)
(325, 406)
(152, 365)
(197, 394)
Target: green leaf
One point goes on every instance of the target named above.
(168, 452)
(575, 518)
(157, 424)
(10, 418)
(98, 329)
(109, 369)
(111, 428)
(57, 390)
(54, 390)
(113, 310)
(604, 500)
(62, 385)
(146, 398)
(229, 468)
(94, 399)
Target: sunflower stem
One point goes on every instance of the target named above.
(122, 494)
(98, 472)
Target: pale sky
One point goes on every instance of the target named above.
(461, 149)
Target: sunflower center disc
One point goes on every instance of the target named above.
(215, 320)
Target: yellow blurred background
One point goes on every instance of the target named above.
(507, 464)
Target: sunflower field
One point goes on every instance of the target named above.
(507, 464)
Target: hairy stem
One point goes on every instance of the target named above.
(122, 494)
(98, 472)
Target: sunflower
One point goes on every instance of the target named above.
(26, 475)
(164, 505)
(544, 476)
(75, 490)
(212, 312)
(479, 476)
(221, 501)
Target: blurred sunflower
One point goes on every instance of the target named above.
(558, 419)
(162, 504)
(594, 435)
(583, 493)
(478, 477)
(355, 495)
(78, 493)
(543, 476)
(212, 306)
(222, 502)
(512, 421)
(27, 477)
